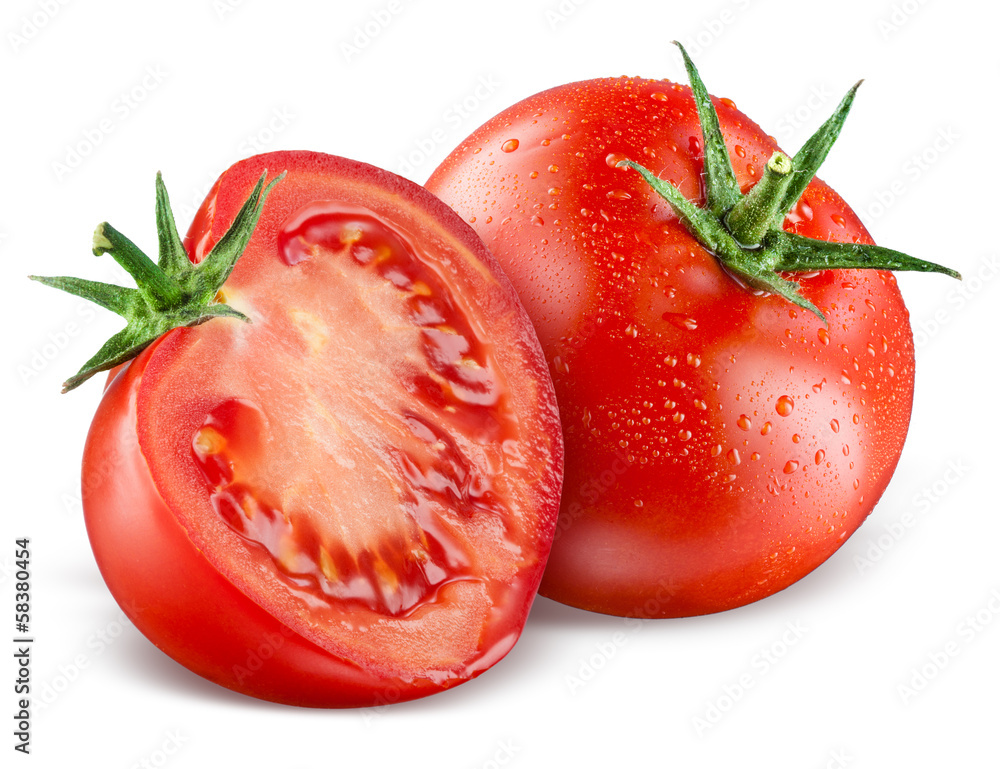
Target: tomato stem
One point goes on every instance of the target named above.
(752, 215)
(159, 290)
(746, 232)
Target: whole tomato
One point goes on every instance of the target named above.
(726, 430)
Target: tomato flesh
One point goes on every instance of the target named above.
(371, 460)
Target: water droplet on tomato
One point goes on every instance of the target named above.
(740, 152)
(820, 456)
(790, 467)
(744, 422)
(659, 96)
(681, 321)
(824, 336)
(537, 220)
(510, 145)
(835, 425)
(838, 220)
(614, 158)
(801, 212)
(733, 456)
(784, 406)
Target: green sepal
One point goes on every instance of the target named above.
(800, 254)
(721, 189)
(173, 258)
(745, 232)
(136, 337)
(789, 289)
(172, 292)
(220, 261)
(701, 223)
(747, 264)
(118, 299)
(811, 155)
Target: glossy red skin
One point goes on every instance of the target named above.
(174, 592)
(657, 352)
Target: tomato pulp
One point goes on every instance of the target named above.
(720, 442)
(350, 499)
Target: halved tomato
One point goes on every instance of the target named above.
(350, 499)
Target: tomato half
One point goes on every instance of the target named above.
(720, 442)
(350, 499)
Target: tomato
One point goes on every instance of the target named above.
(348, 500)
(721, 442)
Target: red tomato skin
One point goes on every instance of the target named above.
(667, 370)
(178, 600)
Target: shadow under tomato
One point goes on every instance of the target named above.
(547, 614)
(541, 646)
(142, 660)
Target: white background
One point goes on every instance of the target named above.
(222, 80)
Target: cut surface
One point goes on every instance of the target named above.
(368, 458)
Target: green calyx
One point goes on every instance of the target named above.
(170, 293)
(745, 231)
